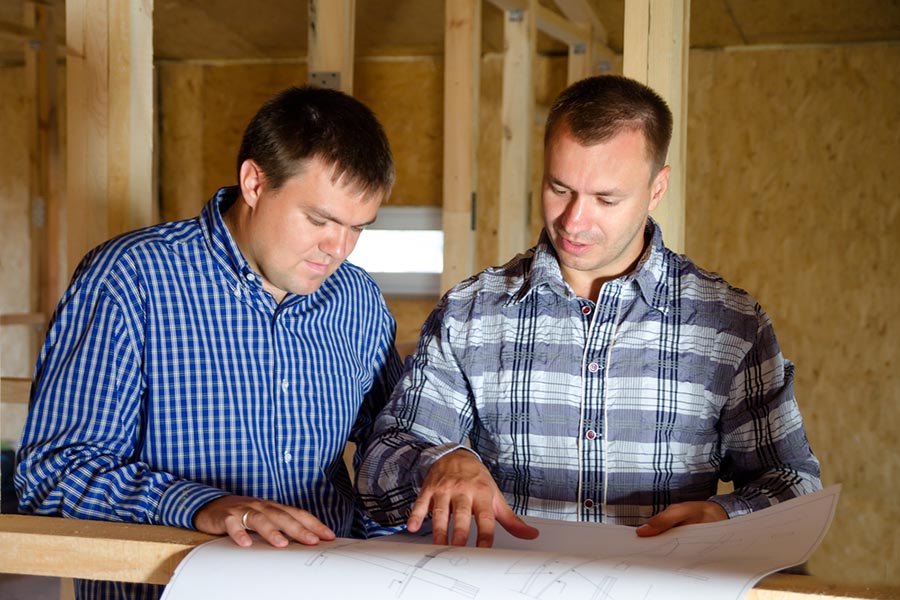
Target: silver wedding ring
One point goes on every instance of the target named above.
(244, 519)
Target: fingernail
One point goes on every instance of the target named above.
(281, 540)
(311, 538)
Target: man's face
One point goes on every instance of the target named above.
(595, 201)
(298, 235)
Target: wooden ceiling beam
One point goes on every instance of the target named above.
(581, 11)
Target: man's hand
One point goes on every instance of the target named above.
(275, 522)
(459, 486)
(683, 513)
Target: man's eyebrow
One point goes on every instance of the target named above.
(613, 192)
(327, 216)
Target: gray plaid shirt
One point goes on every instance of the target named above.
(603, 412)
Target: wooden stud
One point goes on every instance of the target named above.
(110, 121)
(656, 53)
(131, 131)
(517, 109)
(45, 171)
(580, 62)
(332, 26)
(462, 76)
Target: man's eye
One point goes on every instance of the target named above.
(316, 222)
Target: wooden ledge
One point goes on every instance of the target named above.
(54, 547)
(93, 549)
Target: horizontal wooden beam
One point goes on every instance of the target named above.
(18, 32)
(79, 549)
(23, 33)
(55, 547)
(510, 4)
(23, 319)
(582, 11)
(560, 28)
(553, 24)
(15, 390)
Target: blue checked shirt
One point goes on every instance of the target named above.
(170, 377)
(605, 412)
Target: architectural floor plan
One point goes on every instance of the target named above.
(568, 560)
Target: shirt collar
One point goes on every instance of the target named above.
(649, 275)
(224, 248)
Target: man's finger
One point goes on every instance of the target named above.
(419, 513)
(462, 520)
(236, 531)
(485, 523)
(511, 522)
(440, 522)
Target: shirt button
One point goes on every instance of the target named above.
(590, 434)
(589, 503)
(288, 457)
(284, 385)
(593, 367)
(250, 276)
(585, 310)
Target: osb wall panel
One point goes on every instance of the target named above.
(792, 194)
(407, 95)
(205, 108)
(203, 112)
(410, 314)
(16, 353)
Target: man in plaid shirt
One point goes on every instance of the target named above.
(599, 376)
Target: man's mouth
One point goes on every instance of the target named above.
(572, 247)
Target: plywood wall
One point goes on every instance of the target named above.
(793, 195)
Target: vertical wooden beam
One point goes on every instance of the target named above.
(330, 48)
(579, 64)
(657, 35)
(110, 120)
(462, 83)
(517, 114)
(45, 171)
(131, 133)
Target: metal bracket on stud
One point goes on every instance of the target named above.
(326, 79)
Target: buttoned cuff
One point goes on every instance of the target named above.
(182, 500)
(734, 505)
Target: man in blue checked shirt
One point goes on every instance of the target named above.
(206, 374)
(598, 377)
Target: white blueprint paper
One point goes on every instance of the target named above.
(569, 560)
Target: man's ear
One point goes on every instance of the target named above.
(659, 186)
(251, 181)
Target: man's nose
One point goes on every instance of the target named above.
(574, 217)
(335, 242)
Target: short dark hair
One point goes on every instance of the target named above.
(302, 123)
(597, 108)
